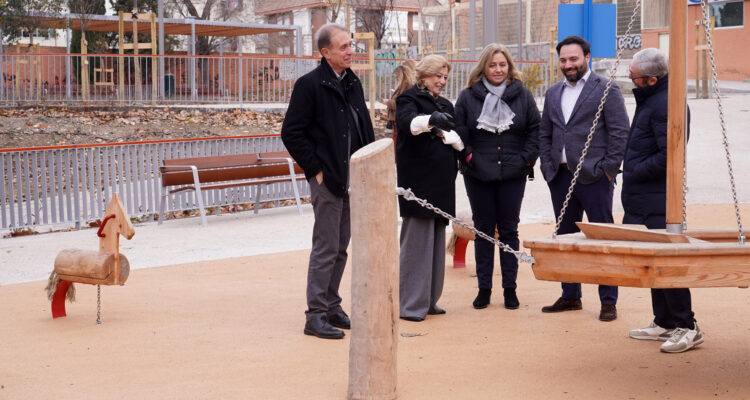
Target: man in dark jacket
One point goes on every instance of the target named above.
(569, 109)
(327, 120)
(644, 196)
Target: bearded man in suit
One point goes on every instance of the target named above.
(570, 107)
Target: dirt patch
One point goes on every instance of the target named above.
(33, 127)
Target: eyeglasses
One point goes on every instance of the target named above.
(632, 76)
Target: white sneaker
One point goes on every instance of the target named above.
(683, 339)
(652, 332)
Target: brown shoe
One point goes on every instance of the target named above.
(608, 313)
(563, 305)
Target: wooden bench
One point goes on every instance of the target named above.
(219, 172)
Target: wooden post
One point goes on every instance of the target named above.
(698, 58)
(136, 59)
(552, 55)
(84, 68)
(121, 59)
(676, 114)
(370, 37)
(154, 62)
(375, 248)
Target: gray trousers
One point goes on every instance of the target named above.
(422, 265)
(331, 234)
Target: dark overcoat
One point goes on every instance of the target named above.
(423, 162)
(316, 126)
(508, 155)
(644, 168)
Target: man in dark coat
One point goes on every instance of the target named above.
(644, 197)
(569, 110)
(327, 120)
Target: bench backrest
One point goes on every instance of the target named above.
(226, 168)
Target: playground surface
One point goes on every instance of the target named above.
(232, 329)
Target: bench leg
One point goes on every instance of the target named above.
(459, 256)
(199, 195)
(257, 198)
(162, 206)
(296, 195)
(294, 184)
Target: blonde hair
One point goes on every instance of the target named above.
(430, 66)
(405, 76)
(485, 59)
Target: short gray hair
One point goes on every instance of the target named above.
(323, 36)
(651, 62)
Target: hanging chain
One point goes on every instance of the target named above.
(717, 94)
(98, 304)
(684, 194)
(596, 121)
(407, 194)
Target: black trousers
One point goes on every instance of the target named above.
(496, 204)
(331, 233)
(672, 307)
(595, 199)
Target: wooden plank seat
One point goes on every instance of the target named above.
(220, 172)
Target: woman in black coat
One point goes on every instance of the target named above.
(426, 162)
(498, 120)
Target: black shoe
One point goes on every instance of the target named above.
(563, 305)
(321, 328)
(339, 319)
(483, 299)
(511, 301)
(608, 313)
(413, 319)
(435, 310)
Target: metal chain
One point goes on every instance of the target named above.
(717, 94)
(684, 195)
(407, 194)
(98, 304)
(596, 121)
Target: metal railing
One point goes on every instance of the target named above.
(71, 185)
(50, 79)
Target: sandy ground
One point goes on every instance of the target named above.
(232, 329)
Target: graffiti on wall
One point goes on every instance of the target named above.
(384, 67)
(629, 42)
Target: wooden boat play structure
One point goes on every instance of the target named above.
(631, 255)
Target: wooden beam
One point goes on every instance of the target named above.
(375, 248)
(676, 113)
(635, 233)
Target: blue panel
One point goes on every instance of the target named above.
(603, 29)
(569, 20)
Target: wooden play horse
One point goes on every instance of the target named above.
(104, 267)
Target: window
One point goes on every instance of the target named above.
(728, 14)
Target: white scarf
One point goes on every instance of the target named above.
(496, 116)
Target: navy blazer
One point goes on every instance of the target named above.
(607, 147)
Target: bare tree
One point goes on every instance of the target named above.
(215, 10)
(335, 6)
(373, 16)
(23, 16)
(84, 9)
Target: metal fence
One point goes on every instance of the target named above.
(71, 185)
(51, 79)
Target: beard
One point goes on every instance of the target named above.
(579, 73)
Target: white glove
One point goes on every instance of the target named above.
(420, 124)
(452, 138)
